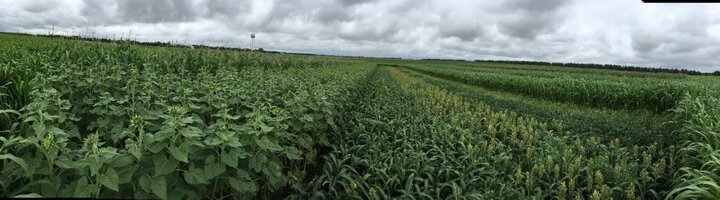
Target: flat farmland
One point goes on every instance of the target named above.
(120, 120)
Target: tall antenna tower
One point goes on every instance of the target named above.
(252, 36)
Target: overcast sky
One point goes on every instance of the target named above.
(605, 31)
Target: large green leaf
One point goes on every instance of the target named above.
(109, 179)
(229, 158)
(265, 128)
(163, 165)
(145, 183)
(157, 147)
(258, 161)
(39, 128)
(134, 149)
(178, 153)
(213, 170)
(243, 186)
(65, 163)
(166, 130)
(265, 143)
(125, 174)
(107, 153)
(159, 187)
(121, 161)
(191, 132)
(195, 176)
(273, 168)
(94, 163)
(83, 189)
(293, 153)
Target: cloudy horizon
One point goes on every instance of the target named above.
(625, 32)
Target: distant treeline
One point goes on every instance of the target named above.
(604, 66)
(440, 59)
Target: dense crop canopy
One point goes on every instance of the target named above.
(115, 120)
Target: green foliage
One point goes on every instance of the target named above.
(81, 119)
(15, 85)
(121, 121)
(657, 95)
(699, 117)
(633, 126)
(415, 140)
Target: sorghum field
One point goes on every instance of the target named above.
(118, 120)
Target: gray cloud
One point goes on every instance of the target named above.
(534, 6)
(229, 8)
(39, 6)
(156, 11)
(462, 33)
(613, 31)
(354, 2)
(530, 18)
(527, 26)
(643, 43)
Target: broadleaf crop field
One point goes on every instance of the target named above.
(119, 120)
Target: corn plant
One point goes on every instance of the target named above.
(699, 117)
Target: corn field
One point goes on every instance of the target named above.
(115, 120)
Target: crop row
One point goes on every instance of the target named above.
(653, 96)
(414, 140)
(628, 77)
(565, 70)
(636, 127)
(700, 120)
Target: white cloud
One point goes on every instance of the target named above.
(612, 31)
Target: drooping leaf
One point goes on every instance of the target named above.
(26, 168)
(9, 112)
